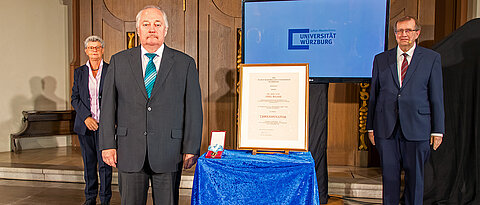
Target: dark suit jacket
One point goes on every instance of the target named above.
(164, 127)
(418, 104)
(81, 96)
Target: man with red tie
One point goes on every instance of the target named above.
(406, 112)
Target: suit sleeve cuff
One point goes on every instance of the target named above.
(437, 134)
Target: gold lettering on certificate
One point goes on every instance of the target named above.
(274, 96)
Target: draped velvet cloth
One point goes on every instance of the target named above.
(242, 178)
(452, 174)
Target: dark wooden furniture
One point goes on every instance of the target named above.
(42, 124)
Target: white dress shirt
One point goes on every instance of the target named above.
(93, 88)
(400, 58)
(156, 60)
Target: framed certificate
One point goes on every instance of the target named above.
(273, 111)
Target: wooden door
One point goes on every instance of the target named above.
(218, 23)
(114, 19)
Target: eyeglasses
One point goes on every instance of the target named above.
(407, 31)
(94, 47)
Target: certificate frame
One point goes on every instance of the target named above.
(273, 107)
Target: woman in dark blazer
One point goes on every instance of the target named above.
(86, 98)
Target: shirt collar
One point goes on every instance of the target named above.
(90, 67)
(409, 52)
(159, 51)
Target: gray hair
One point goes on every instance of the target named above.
(407, 18)
(93, 39)
(137, 19)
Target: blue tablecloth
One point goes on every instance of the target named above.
(242, 178)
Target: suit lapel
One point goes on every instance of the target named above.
(136, 67)
(85, 79)
(417, 56)
(104, 72)
(392, 62)
(165, 66)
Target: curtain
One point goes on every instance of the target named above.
(452, 172)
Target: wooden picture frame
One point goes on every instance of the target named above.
(273, 107)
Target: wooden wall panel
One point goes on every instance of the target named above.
(230, 8)
(217, 69)
(191, 29)
(423, 10)
(120, 15)
(127, 9)
(222, 79)
(343, 106)
(449, 15)
(397, 10)
(426, 18)
(176, 22)
(76, 46)
(85, 28)
(114, 39)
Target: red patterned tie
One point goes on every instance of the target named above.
(404, 65)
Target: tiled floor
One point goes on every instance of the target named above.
(347, 185)
(20, 192)
(63, 158)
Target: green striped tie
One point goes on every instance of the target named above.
(150, 74)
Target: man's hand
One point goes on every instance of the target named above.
(91, 123)
(436, 141)
(189, 160)
(110, 157)
(371, 137)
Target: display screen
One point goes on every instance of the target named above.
(338, 38)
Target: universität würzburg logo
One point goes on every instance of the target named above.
(302, 39)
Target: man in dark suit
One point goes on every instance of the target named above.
(151, 120)
(86, 97)
(406, 112)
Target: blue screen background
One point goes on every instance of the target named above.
(359, 28)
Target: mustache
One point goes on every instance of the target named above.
(152, 35)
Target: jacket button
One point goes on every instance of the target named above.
(145, 133)
(149, 109)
